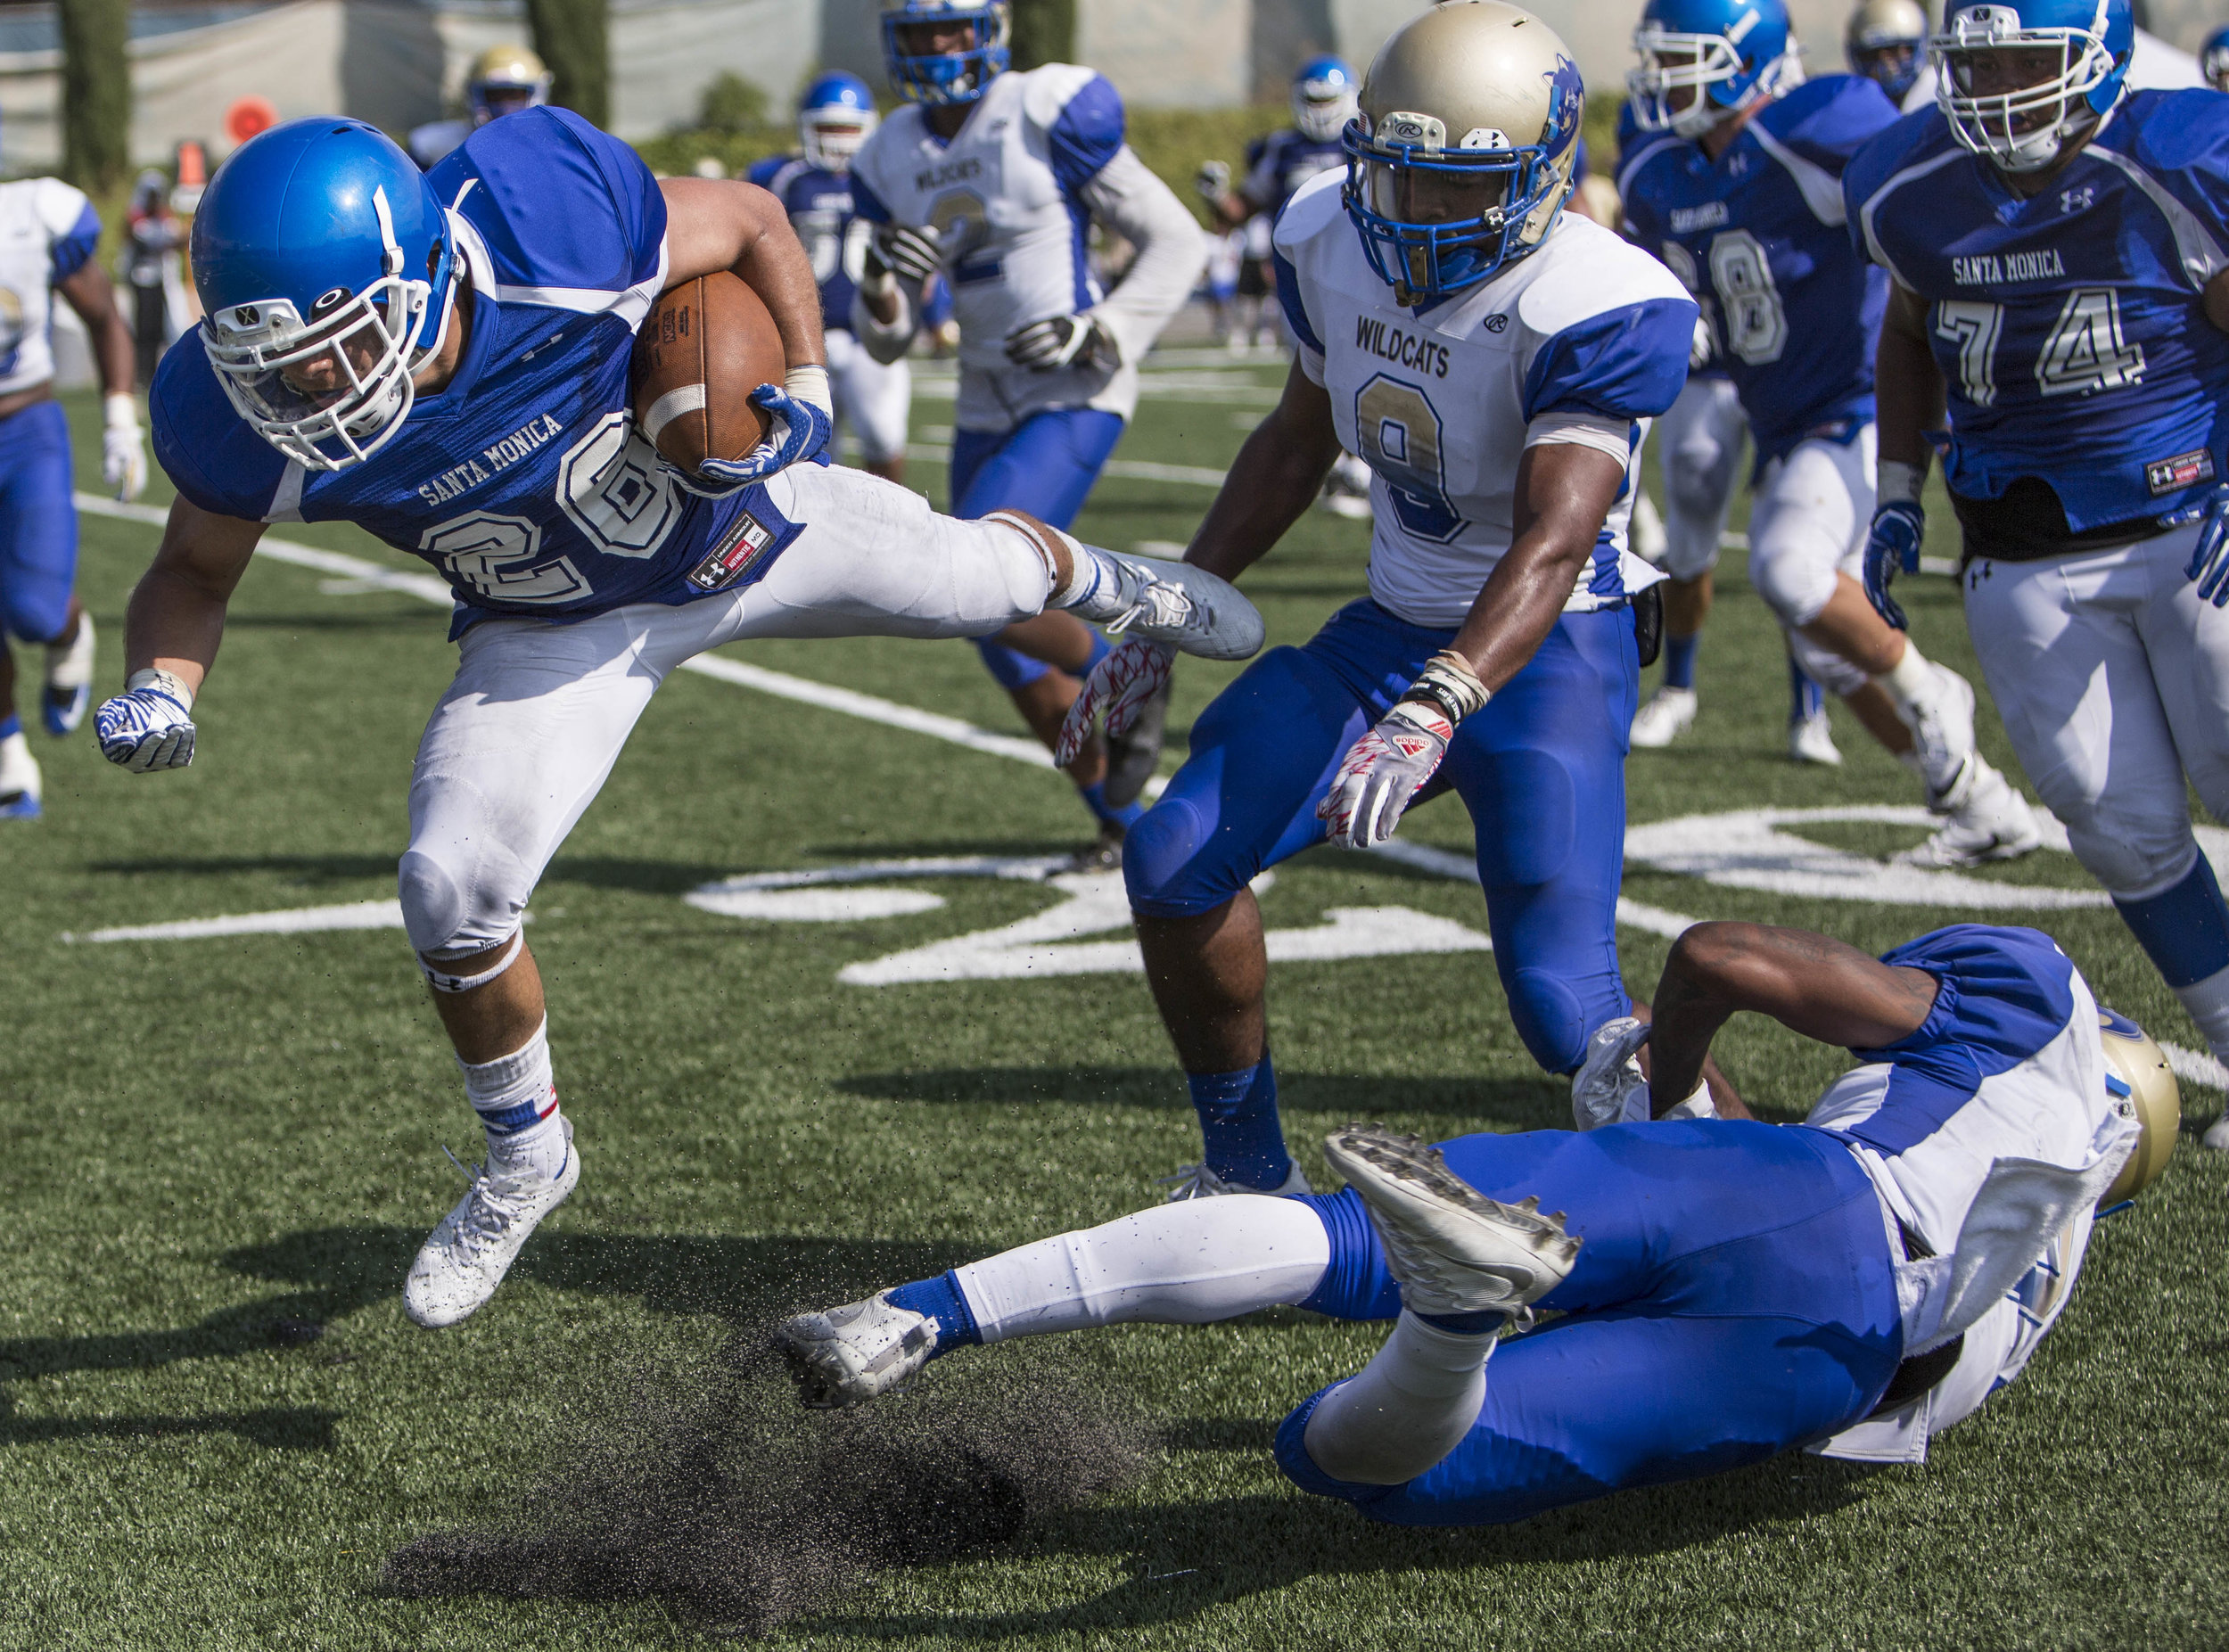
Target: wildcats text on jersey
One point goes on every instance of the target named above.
(1990, 269)
(1402, 348)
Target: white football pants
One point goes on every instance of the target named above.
(1700, 440)
(1809, 522)
(873, 398)
(528, 732)
(2112, 679)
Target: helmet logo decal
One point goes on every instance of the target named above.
(326, 301)
(1424, 131)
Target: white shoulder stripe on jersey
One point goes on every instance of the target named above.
(1896, 181)
(630, 306)
(2201, 254)
(1822, 190)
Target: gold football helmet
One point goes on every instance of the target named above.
(2133, 1061)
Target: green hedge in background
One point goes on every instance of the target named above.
(96, 94)
(574, 38)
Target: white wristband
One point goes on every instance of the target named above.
(169, 682)
(1896, 482)
(809, 383)
(119, 410)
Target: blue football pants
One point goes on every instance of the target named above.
(1045, 465)
(1735, 1296)
(1542, 769)
(39, 525)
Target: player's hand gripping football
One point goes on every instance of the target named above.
(2210, 558)
(123, 446)
(150, 726)
(1117, 691)
(1894, 544)
(801, 429)
(1062, 340)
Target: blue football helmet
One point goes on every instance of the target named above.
(2022, 128)
(2213, 59)
(1459, 157)
(835, 118)
(1323, 98)
(326, 273)
(1729, 53)
(959, 76)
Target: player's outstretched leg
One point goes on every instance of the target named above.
(1194, 611)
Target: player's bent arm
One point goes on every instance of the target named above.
(716, 223)
(1272, 483)
(177, 616)
(1126, 197)
(91, 294)
(1563, 490)
(1810, 984)
(1907, 384)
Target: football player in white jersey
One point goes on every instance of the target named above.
(992, 177)
(47, 233)
(1724, 1289)
(502, 79)
(1497, 362)
(442, 358)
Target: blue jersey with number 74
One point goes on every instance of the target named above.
(524, 481)
(2068, 325)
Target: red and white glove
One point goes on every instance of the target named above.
(1117, 691)
(1382, 773)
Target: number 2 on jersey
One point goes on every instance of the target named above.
(1397, 435)
(2086, 351)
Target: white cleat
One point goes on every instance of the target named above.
(2216, 1135)
(1452, 1249)
(1196, 1181)
(857, 1352)
(68, 687)
(1992, 821)
(1190, 609)
(1811, 740)
(466, 1257)
(1669, 713)
(20, 787)
(1943, 740)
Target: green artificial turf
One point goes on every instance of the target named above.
(201, 1138)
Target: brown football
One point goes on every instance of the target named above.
(705, 346)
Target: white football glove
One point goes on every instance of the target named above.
(1117, 690)
(1610, 1089)
(150, 726)
(915, 254)
(1213, 181)
(1382, 773)
(123, 446)
(1060, 340)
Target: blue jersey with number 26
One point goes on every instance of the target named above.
(526, 480)
(2068, 326)
(1757, 235)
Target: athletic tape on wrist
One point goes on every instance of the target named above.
(169, 683)
(119, 411)
(809, 383)
(442, 981)
(1897, 482)
(1448, 682)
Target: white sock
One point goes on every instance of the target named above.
(1175, 1264)
(1911, 682)
(19, 769)
(1408, 1407)
(516, 1098)
(2207, 1001)
(70, 665)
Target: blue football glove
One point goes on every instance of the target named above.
(146, 728)
(800, 430)
(2209, 560)
(1894, 544)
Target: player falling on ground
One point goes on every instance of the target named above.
(1496, 360)
(443, 359)
(1885, 41)
(873, 398)
(1739, 194)
(2058, 246)
(48, 234)
(502, 79)
(989, 177)
(1725, 1289)
(1323, 101)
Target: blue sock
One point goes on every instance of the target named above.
(1679, 659)
(1094, 797)
(1237, 1121)
(1467, 1324)
(940, 1298)
(2183, 930)
(11, 724)
(1806, 698)
(1100, 649)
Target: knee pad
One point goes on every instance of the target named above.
(1158, 868)
(2134, 855)
(1550, 1018)
(1794, 572)
(432, 905)
(1690, 547)
(1831, 671)
(37, 611)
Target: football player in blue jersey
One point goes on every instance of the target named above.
(873, 398)
(992, 177)
(1739, 192)
(2058, 246)
(2213, 59)
(442, 358)
(1496, 360)
(1724, 1290)
(1886, 41)
(48, 231)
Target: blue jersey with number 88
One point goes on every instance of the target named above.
(2068, 326)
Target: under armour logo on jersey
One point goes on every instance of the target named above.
(2077, 199)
